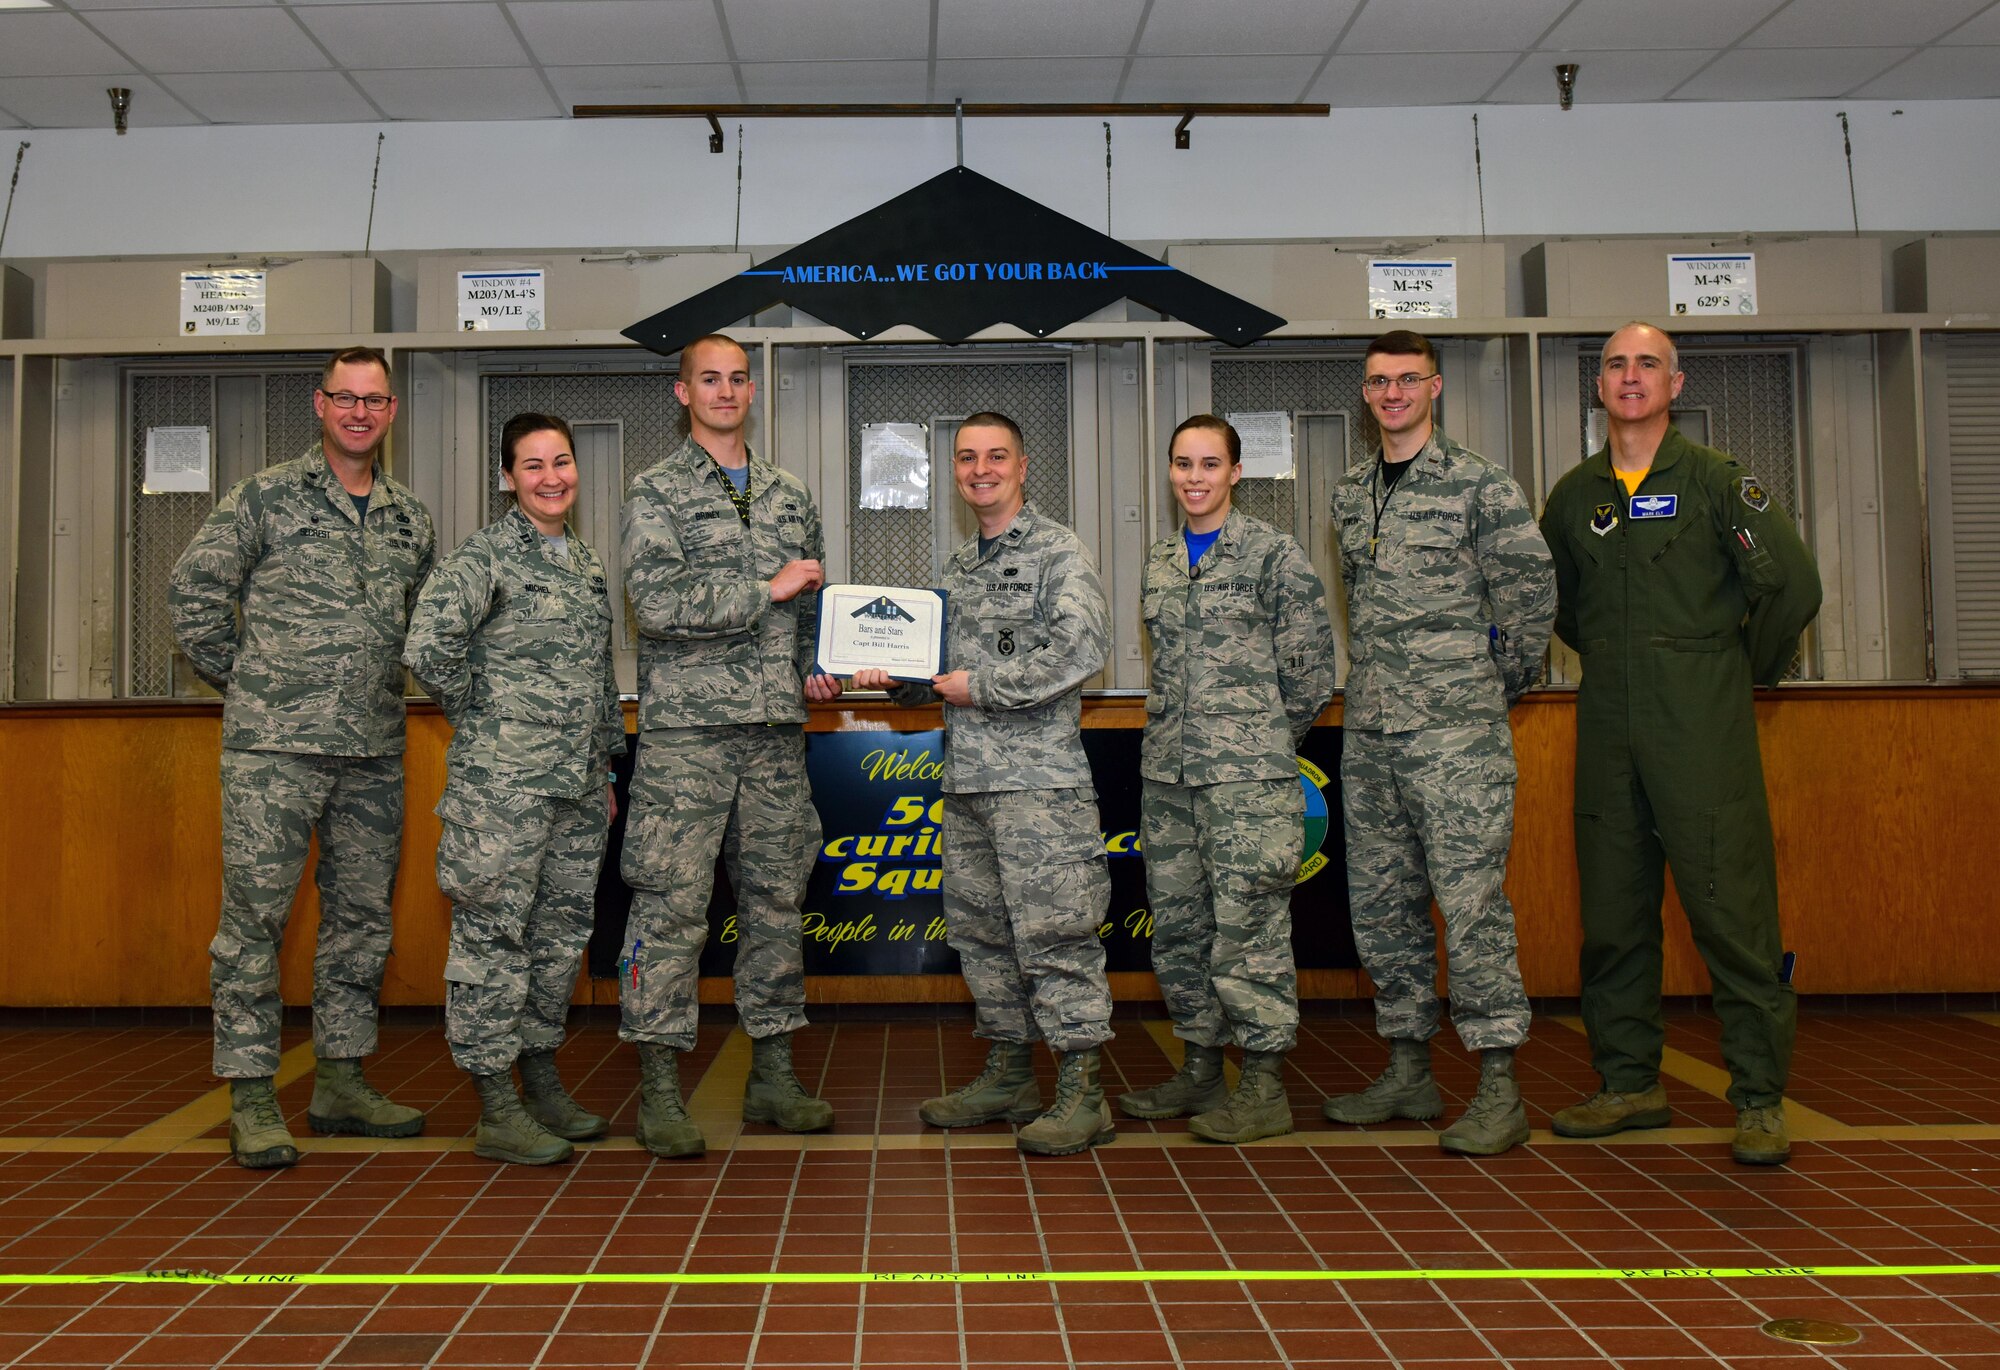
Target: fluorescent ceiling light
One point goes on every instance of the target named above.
(24, 4)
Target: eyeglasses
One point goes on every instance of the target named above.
(1409, 380)
(347, 399)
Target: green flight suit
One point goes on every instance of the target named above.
(1678, 599)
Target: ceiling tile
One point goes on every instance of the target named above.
(1603, 78)
(53, 45)
(1204, 79)
(620, 32)
(1090, 80)
(1037, 28)
(272, 97)
(79, 102)
(1683, 24)
(786, 31)
(1956, 73)
(1788, 73)
(1450, 25)
(1196, 27)
(692, 83)
(1439, 78)
(380, 36)
(1860, 23)
(1983, 29)
(469, 93)
(786, 83)
(211, 40)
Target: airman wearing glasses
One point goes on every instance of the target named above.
(1450, 599)
(293, 600)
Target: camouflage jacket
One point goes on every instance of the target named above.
(296, 611)
(517, 648)
(1450, 591)
(713, 648)
(1242, 656)
(1028, 622)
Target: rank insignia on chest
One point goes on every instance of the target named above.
(1752, 493)
(1655, 506)
(1605, 519)
(1005, 646)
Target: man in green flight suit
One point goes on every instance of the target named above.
(1681, 584)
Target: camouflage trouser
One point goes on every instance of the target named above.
(1431, 812)
(740, 790)
(1220, 864)
(272, 805)
(521, 873)
(1025, 888)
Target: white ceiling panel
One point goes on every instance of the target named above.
(1603, 78)
(1982, 28)
(1789, 73)
(1860, 23)
(53, 45)
(1436, 78)
(832, 82)
(692, 83)
(1156, 79)
(1086, 80)
(786, 31)
(1603, 24)
(1450, 25)
(79, 102)
(472, 93)
(1193, 28)
(380, 36)
(246, 39)
(1037, 28)
(1940, 74)
(273, 97)
(620, 32)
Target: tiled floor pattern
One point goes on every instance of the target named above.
(111, 1159)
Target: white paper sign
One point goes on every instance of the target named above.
(500, 301)
(1712, 285)
(230, 303)
(1399, 289)
(895, 466)
(1267, 444)
(177, 461)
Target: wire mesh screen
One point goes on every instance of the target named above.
(652, 420)
(894, 546)
(161, 525)
(290, 426)
(1292, 385)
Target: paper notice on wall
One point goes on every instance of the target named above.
(1399, 289)
(177, 462)
(225, 303)
(1712, 285)
(1267, 444)
(501, 301)
(895, 466)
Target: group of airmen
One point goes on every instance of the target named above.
(1665, 565)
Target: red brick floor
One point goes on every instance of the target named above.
(111, 1161)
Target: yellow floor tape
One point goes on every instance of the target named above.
(188, 1122)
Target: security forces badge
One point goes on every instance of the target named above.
(1752, 492)
(1005, 645)
(1604, 519)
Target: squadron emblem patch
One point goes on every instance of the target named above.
(1605, 519)
(1753, 493)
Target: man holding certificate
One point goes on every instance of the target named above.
(1025, 881)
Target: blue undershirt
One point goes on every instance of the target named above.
(1198, 544)
(739, 476)
(360, 504)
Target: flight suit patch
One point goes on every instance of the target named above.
(1753, 493)
(1605, 520)
(1655, 506)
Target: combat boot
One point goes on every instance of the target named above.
(1404, 1090)
(344, 1102)
(664, 1126)
(1609, 1111)
(1006, 1088)
(258, 1138)
(773, 1094)
(550, 1104)
(1258, 1107)
(1497, 1121)
(506, 1132)
(1196, 1087)
(1079, 1118)
(1760, 1136)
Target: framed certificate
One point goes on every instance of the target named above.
(897, 629)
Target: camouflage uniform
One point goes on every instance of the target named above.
(1242, 665)
(1025, 882)
(516, 645)
(295, 610)
(1450, 603)
(722, 758)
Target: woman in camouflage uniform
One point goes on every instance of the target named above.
(512, 635)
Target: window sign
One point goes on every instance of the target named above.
(1712, 285)
(500, 301)
(222, 303)
(1399, 289)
